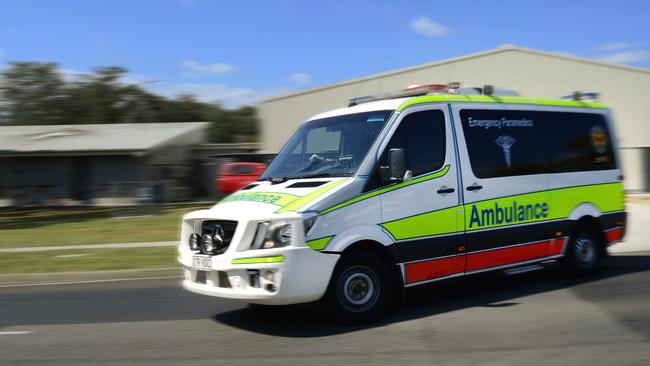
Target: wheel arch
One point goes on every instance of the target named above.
(593, 222)
(387, 255)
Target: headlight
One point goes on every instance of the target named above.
(309, 220)
(272, 235)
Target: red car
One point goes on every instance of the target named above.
(234, 176)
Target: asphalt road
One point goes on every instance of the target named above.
(534, 318)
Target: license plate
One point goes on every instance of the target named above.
(202, 263)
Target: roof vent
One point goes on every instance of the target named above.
(308, 184)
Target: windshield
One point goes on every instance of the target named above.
(332, 146)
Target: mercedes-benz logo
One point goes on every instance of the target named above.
(218, 235)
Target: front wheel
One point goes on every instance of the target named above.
(582, 255)
(360, 289)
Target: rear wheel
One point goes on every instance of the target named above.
(582, 255)
(360, 289)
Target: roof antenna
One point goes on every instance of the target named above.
(577, 95)
(453, 87)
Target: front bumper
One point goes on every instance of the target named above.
(302, 276)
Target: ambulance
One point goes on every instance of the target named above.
(430, 183)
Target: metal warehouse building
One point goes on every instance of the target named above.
(532, 73)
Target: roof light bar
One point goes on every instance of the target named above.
(425, 89)
(409, 91)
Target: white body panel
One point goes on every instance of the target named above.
(349, 213)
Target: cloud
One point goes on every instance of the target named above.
(228, 96)
(426, 27)
(625, 57)
(196, 69)
(300, 78)
(609, 47)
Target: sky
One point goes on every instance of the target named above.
(238, 52)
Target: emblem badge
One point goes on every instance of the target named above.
(599, 139)
(506, 143)
(218, 235)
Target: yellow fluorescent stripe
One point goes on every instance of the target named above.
(430, 223)
(498, 99)
(320, 244)
(393, 187)
(273, 198)
(273, 259)
(302, 201)
(560, 203)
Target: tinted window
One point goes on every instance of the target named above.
(241, 169)
(506, 143)
(422, 136)
(581, 142)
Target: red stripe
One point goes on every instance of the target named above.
(500, 257)
(434, 268)
(614, 235)
(557, 246)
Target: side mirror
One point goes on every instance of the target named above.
(396, 164)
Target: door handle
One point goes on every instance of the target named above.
(474, 187)
(445, 190)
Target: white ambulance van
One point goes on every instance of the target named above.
(428, 184)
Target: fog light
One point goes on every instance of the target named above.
(195, 242)
(209, 246)
(269, 276)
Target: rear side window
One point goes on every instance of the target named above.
(508, 143)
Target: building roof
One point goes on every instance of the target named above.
(92, 139)
(501, 49)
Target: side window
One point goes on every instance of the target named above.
(509, 143)
(422, 136)
(503, 143)
(581, 142)
(425, 141)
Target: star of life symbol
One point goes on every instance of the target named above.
(506, 143)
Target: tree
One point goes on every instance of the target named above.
(36, 93)
(32, 93)
(227, 126)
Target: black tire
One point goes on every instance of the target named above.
(583, 253)
(360, 290)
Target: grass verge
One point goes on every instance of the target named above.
(71, 226)
(88, 260)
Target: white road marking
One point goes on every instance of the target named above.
(72, 255)
(89, 281)
(91, 246)
(16, 332)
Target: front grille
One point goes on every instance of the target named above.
(210, 227)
